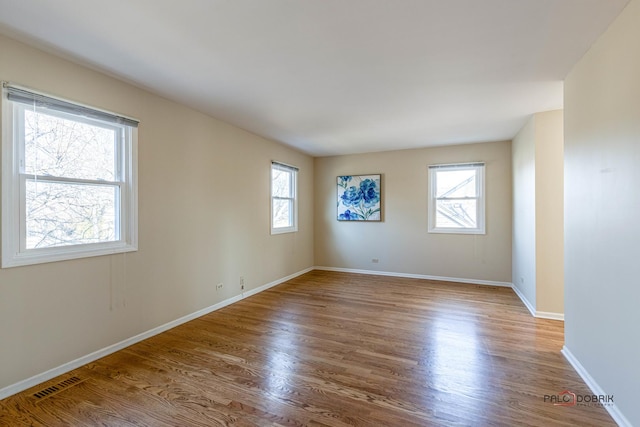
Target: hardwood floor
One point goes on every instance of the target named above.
(331, 349)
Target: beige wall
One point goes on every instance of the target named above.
(401, 242)
(602, 207)
(203, 219)
(549, 212)
(538, 258)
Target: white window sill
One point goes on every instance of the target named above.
(457, 231)
(284, 230)
(45, 255)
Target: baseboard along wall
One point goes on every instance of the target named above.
(612, 409)
(81, 361)
(74, 364)
(533, 311)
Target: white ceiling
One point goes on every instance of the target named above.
(333, 76)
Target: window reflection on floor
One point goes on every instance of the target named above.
(281, 364)
(457, 360)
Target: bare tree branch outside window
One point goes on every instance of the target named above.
(71, 181)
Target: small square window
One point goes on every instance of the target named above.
(456, 198)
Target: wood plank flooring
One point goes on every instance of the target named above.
(331, 349)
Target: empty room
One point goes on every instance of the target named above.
(319, 212)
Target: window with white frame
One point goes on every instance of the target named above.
(456, 198)
(284, 199)
(69, 180)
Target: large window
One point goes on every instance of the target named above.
(68, 180)
(284, 203)
(456, 198)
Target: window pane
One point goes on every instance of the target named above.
(59, 147)
(281, 183)
(456, 213)
(282, 213)
(456, 183)
(59, 214)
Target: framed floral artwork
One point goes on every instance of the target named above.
(359, 198)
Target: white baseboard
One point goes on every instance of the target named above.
(415, 276)
(81, 361)
(533, 311)
(524, 300)
(69, 366)
(549, 315)
(275, 283)
(613, 410)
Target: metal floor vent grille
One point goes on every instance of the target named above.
(57, 388)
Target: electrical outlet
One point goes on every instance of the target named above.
(219, 286)
(521, 280)
(375, 260)
(242, 282)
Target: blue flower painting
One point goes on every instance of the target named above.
(359, 198)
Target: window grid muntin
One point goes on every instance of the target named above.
(118, 183)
